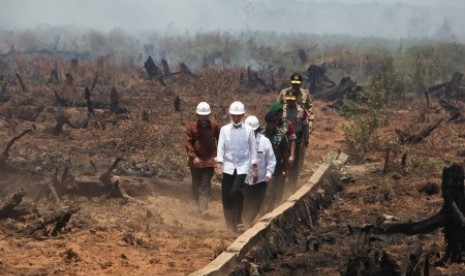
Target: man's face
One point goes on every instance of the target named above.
(271, 124)
(296, 86)
(291, 103)
(203, 119)
(236, 118)
(279, 114)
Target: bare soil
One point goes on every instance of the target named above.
(161, 233)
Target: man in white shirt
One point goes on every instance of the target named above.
(235, 154)
(254, 192)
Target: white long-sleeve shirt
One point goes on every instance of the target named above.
(266, 160)
(236, 149)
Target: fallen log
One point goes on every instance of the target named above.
(60, 218)
(91, 186)
(452, 87)
(405, 138)
(7, 207)
(454, 111)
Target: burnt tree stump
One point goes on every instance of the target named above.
(450, 217)
(21, 82)
(454, 209)
(177, 104)
(114, 101)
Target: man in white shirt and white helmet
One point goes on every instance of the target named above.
(236, 153)
(254, 192)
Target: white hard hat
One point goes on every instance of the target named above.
(252, 121)
(203, 108)
(236, 108)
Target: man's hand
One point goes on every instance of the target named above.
(196, 161)
(310, 129)
(267, 178)
(255, 175)
(218, 172)
(291, 160)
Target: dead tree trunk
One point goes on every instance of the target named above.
(451, 216)
(61, 121)
(54, 78)
(453, 87)
(5, 154)
(454, 111)
(454, 208)
(166, 67)
(114, 101)
(23, 86)
(3, 89)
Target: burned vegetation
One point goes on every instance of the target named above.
(92, 160)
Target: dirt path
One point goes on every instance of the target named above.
(165, 235)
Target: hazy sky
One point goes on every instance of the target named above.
(355, 17)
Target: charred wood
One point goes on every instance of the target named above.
(60, 218)
(452, 87)
(7, 207)
(316, 75)
(184, 70)
(54, 78)
(61, 120)
(177, 104)
(5, 154)
(405, 138)
(454, 111)
(62, 101)
(23, 86)
(450, 217)
(94, 83)
(153, 71)
(69, 79)
(3, 89)
(114, 101)
(166, 67)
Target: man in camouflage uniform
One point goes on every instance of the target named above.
(299, 118)
(286, 127)
(281, 152)
(303, 97)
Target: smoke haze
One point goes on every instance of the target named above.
(387, 19)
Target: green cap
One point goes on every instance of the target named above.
(276, 107)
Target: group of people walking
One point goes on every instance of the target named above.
(252, 161)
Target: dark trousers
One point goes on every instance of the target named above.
(201, 186)
(275, 191)
(254, 195)
(233, 199)
(294, 170)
